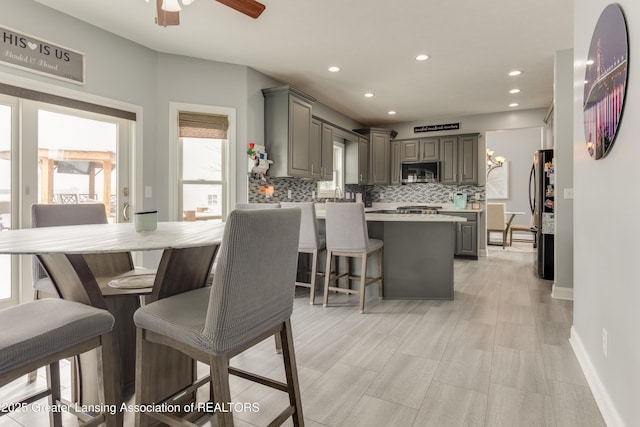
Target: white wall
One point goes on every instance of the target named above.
(606, 236)
(517, 146)
(563, 154)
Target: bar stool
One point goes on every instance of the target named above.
(251, 299)
(45, 331)
(347, 236)
(311, 242)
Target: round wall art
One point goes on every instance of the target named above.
(605, 81)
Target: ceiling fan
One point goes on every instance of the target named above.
(169, 10)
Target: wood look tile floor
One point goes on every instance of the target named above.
(497, 355)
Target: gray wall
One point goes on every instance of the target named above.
(563, 153)
(517, 145)
(606, 290)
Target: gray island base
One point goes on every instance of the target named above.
(417, 255)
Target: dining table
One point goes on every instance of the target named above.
(80, 258)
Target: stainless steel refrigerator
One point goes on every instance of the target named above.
(542, 201)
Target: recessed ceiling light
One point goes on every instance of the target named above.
(422, 57)
(515, 73)
(391, 113)
(514, 91)
(368, 95)
(334, 69)
(513, 104)
(590, 62)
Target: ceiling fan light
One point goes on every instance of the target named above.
(187, 2)
(171, 6)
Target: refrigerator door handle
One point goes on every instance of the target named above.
(532, 179)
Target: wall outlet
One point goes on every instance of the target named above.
(148, 192)
(605, 343)
(450, 196)
(568, 193)
(288, 194)
(313, 195)
(478, 196)
(381, 196)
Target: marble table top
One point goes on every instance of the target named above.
(104, 238)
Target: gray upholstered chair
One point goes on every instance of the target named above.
(45, 331)
(311, 242)
(251, 299)
(245, 206)
(347, 236)
(45, 215)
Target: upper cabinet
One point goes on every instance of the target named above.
(459, 159)
(396, 163)
(420, 150)
(379, 155)
(326, 165)
(288, 133)
(357, 161)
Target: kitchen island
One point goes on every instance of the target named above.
(418, 253)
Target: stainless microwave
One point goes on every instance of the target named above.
(420, 172)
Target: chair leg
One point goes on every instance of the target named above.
(327, 279)
(363, 281)
(380, 282)
(278, 342)
(53, 381)
(111, 379)
(314, 273)
(143, 390)
(291, 373)
(219, 365)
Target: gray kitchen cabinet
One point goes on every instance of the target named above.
(459, 159)
(326, 165)
(466, 234)
(396, 163)
(288, 139)
(429, 150)
(357, 161)
(379, 155)
(316, 149)
(410, 151)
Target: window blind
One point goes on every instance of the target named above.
(199, 125)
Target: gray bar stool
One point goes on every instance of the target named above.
(45, 331)
(311, 242)
(347, 236)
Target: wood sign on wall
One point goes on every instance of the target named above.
(24, 51)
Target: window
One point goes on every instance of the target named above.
(203, 139)
(328, 188)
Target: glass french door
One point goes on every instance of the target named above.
(65, 156)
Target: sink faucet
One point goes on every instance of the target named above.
(337, 194)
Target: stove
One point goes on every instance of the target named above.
(425, 210)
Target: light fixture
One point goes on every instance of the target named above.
(368, 95)
(187, 2)
(494, 162)
(590, 62)
(171, 6)
(391, 113)
(513, 104)
(334, 69)
(514, 91)
(422, 57)
(515, 73)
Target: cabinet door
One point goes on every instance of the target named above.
(449, 160)
(379, 158)
(327, 153)
(468, 159)
(396, 163)
(299, 137)
(363, 161)
(410, 151)
(467, 238)
(315, 161)
(429, 150)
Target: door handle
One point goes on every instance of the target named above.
(125, 211)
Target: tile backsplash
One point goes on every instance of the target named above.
(301, 190)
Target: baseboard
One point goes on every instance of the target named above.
(607, 408)
(560, 292)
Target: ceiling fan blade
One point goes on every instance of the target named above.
(165, 18)
(250, 8)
